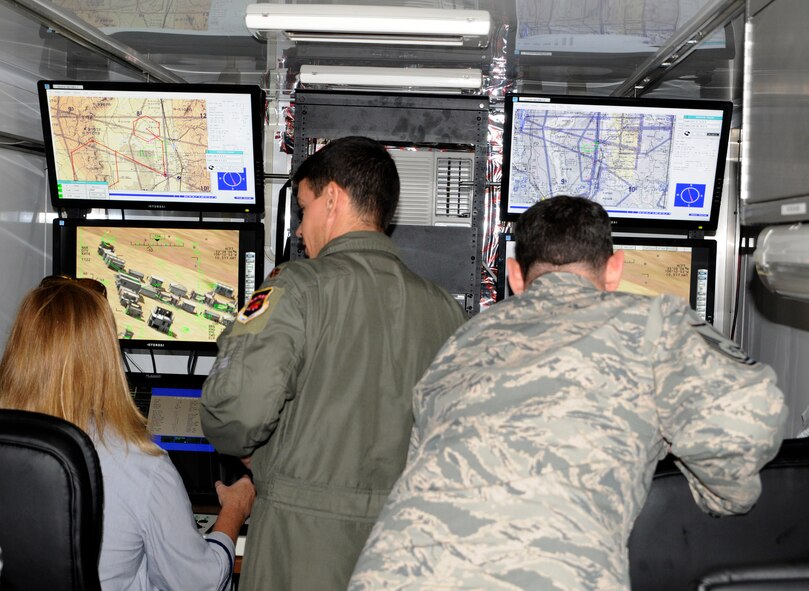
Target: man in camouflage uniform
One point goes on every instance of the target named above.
(315, 379)
(539, 425)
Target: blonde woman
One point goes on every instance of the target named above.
(62, 359)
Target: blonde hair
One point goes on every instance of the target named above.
(62, 359)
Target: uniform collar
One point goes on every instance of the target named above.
(354, 241)
(562, 283)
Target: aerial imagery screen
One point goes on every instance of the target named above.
(164, 284)
(651, 269)
(656, 270)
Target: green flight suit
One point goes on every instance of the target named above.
(315, 380)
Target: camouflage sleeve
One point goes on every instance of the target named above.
(720, 411)
(413, 446)
(254, 373)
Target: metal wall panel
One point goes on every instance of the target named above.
(775, 178)
(775, 185)
(775, 330)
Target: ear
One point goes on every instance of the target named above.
(334, 197)
(330, 194)
(515, 277)
(613, 271)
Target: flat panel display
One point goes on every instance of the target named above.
(153, 146)
(652, 266)
(653, 165)
(170, 404)
(172, 285)
(685, 268)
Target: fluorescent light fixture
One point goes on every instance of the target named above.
(422, 78)
(371, 24)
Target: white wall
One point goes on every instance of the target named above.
(29, 53)
(25, 237)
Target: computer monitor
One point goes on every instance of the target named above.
(171, 285)
(153, 146)
(170, 404)
(655, 165)
(652, 266)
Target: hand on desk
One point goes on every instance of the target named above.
(237, 502)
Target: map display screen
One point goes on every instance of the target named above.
(653, 164)
(153, 146)
(652, 266)
(169, 284)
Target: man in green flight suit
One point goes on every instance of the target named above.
(314, 381)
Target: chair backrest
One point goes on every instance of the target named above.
(674, 544)
(51, 502)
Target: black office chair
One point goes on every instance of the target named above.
(51, 501)
(674, 546)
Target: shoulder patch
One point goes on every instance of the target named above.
(255, 315)
(722, 344)
(258, 304)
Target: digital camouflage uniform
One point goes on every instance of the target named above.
(538, 428)
(315, 380)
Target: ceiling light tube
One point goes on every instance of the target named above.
(371, 24)
(426, 78)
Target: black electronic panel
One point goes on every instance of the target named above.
(171, 285)
(652, 266)
(153, 146)
(654, 165)
(446, 253)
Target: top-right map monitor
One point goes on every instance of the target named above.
(655, 165)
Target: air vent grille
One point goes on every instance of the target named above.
(454, 187)
(415, 197)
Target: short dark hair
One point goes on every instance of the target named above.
(361, 166)
(563, 230)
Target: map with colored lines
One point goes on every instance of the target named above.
(149, 144)
(617, 159)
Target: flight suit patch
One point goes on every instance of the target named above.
(258, 304)
(253, 317)
(724, 345)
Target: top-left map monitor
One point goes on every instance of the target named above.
(154, 146)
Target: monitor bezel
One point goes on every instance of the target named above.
(620, 224)
(257, 102)
(251, 239)
(704, 249)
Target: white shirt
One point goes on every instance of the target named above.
(150, 539)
